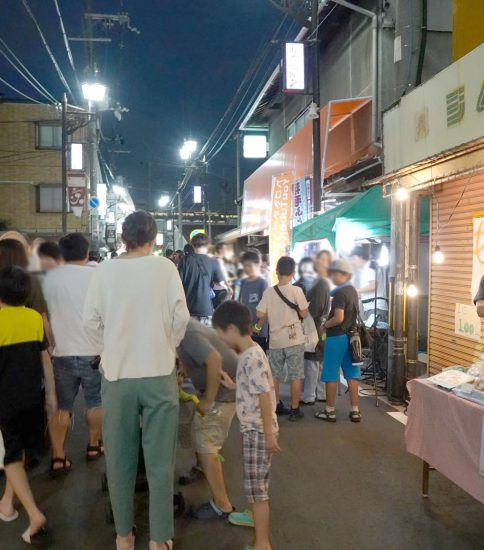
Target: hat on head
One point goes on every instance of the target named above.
(343, 266)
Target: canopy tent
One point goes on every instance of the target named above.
(364, 216)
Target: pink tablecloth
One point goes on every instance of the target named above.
(446, 431)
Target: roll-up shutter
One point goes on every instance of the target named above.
(453, 207)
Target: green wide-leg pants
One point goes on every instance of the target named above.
(145, 408)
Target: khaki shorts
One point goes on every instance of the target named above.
(209, 432)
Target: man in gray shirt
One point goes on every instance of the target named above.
(204, 356)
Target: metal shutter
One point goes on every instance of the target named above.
(455, 203)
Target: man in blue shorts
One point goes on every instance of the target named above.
(337, 351)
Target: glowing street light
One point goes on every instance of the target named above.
(164, 201)
(188, 149)
(94, 91)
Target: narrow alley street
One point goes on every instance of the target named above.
(335, 487)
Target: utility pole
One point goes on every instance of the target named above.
(180, 217)
(64, 164)
(237, 145)
(316, 99)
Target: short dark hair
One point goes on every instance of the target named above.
(74, 247)
(251, 256)
(14, 286)
(51, 250)
(200, 240)
(286, 266)
(139, 228)
(169, 253)
(233, 313)
(12, 252)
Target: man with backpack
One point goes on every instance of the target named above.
(199, 273)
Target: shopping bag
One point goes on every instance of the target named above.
(311, 337)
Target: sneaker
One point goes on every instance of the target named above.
(295, 415)
(355, 416)
(242, 519)
(190, 477)
(207, 511)
(281, 410)
(327, 416)
(307, 403)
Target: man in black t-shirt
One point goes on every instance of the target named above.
(199, 273)
(337, 351)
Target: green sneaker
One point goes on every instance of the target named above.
(242, 519)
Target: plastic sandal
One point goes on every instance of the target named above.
(8, 519)
(41, 539)
(66, 466)
(98, 449)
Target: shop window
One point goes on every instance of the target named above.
(297, 124)
(49, 198)
(49, 135)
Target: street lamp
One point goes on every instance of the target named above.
(164, 201)
(94, 91)
(189, 147)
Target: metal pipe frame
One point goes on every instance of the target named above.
(413, 302)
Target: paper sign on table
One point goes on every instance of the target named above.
(467, 322)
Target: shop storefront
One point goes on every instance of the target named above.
(434, 146)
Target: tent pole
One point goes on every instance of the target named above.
(413, 302)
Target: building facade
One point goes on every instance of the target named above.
(31, 169)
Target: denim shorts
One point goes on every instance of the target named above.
(337, 354)
(287, 363)
(70, 374)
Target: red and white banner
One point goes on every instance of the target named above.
(76, 190)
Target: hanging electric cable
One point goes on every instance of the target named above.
(19, 92)
(32, 80)
(68, 48)
(46, 45)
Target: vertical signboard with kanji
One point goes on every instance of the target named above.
(302, 200)
(281, 215)
(76, 187)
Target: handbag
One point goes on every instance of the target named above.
(360, 338)
(311, 336)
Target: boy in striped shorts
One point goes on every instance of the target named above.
(256, 410)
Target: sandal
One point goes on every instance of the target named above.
(8, 519)
(98, 451)
(326, 416)
(66, 466)
(41, 539)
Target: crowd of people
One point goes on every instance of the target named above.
(130, 332)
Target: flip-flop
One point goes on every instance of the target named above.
(41, 539)
(8, 519)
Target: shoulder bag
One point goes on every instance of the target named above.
(311, 337)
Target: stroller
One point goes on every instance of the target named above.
(140, 487)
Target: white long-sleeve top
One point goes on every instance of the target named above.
(136, 311)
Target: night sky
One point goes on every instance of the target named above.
(177, 77)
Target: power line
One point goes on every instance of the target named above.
(35, 84)
(19, 92)
(66, 43)
(251, 71)
(49, 51)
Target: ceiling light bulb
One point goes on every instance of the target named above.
(438, 256)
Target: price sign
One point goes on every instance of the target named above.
(467, 322)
